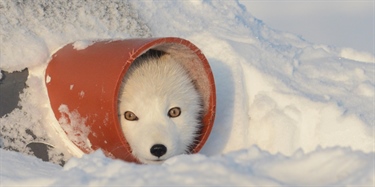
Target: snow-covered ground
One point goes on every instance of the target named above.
(289, 112)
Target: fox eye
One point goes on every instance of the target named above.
(130, 116)
(174, 112)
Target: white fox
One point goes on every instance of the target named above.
(160, 109)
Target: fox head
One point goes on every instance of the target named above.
(160, 109)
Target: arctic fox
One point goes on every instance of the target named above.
(160, 109)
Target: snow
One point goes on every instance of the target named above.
(75, 127)
(250, 167)
(289, 112)
(80, 45)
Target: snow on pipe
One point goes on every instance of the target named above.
(84, 78)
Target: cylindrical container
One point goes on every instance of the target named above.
(83, 81)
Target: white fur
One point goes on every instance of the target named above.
(152, 86)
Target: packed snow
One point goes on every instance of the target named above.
(289, 112)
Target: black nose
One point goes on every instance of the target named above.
(158, 150)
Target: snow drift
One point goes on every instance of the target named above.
(289, 112)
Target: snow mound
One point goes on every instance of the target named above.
(45, 26)
(251, 166)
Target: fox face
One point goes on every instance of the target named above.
(159, 108)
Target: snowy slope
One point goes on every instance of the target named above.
(289, 112)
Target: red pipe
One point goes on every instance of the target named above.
(83, 87)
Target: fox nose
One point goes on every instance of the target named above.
(158, 150)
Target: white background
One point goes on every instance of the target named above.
(339, 23)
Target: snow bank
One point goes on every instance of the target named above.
(32, 30)
(293, 99)
(249, 167)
